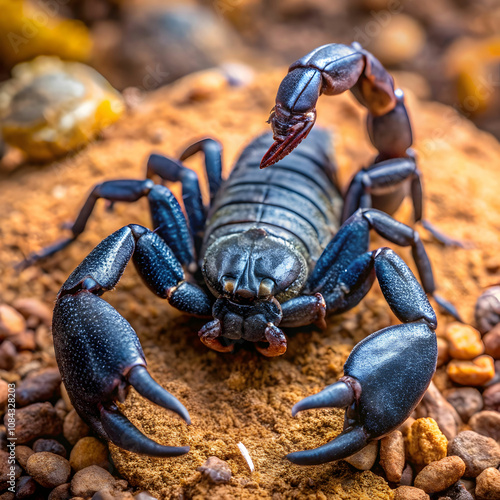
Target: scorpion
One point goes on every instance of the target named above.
(277, 248)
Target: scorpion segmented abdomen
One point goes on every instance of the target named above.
(297, 201)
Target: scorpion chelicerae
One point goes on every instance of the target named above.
(269, 253)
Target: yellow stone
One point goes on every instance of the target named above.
(51, 107)
(477, 372)
(425, 442)
(464, 342)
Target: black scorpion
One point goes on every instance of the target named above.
(270, 255)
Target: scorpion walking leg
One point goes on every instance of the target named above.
(98, 352)
(213, 161)
(166, 214)
(173, 171)
(384, 379)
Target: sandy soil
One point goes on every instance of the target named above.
(244, 397)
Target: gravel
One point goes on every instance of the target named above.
(478, 452)
(48, 469)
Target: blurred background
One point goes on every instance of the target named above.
(446, 50)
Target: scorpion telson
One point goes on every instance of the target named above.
(268, 253)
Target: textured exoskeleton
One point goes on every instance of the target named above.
(268, 254)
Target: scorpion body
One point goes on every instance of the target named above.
(270, 252)
(298, 201)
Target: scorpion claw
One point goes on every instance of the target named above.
(140, 379)
(347, 443)
(96, 377)
(289, 131)
(378, 395)
(338, 395)
(123, 433)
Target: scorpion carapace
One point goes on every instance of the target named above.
(268, 254)
(331, 70)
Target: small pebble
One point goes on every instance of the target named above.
(487, 310)
(90, 480)
(88, 451)
(74, 427)
(405, 426)
(60, 407)
(401, 39)
(486, 423)
(50, 445)
(465, 400)
(206, 84)
(217, 470)
(439, 475)
(364, 459)
(477, 372)
(392, 456)
(24, 341)
(425, 442)
(31, 307)
(488, 484)
(4, 467)
(443, 354)
(492, 342)
(48, 469)
(478, 452)
(11, 321)
(8, 353)
(457, 492)
(469, 485)
(435, 406)
(36, 420)
(108, 494)
(464, 342)
(61, 492)
(407, 476)
(25, 487)
(410, 493)
(42, 385)
(491, 398)
(144, 495)
(22, 454)
(4, 394)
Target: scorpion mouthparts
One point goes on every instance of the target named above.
(338, 395)
(140, 379)
(125, 435)
(347, 443)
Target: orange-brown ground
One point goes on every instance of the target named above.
(245, 397)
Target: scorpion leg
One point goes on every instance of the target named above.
(356, 229)
(166, 214)
(213, 161)
(386, 174)
(384, 379)
(173, 171)
(98, 352)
